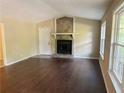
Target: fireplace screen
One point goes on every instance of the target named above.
(64, 46)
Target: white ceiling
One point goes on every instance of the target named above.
(27, 10)
(38, 10)
(92, 9)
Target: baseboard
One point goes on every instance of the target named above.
(97, 58)
(104, 78)
(73, 56)
(69, 56)
(11, 63)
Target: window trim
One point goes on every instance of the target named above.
(114, 80)
(102, 53)
(119, 87)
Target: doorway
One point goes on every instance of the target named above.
(1, 45)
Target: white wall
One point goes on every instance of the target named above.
(86, 42)
(47, 41)
(44, 41)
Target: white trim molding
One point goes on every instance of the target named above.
(101, 55)
(97, 58)
(104, 78)
(116, 85)
(11, 63)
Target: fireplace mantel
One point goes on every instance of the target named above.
(56, 34)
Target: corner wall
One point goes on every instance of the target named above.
(20, 40)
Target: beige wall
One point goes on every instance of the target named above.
(105, 63)
(48, 25)
(86, 42)
(20, 39)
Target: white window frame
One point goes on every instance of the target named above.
(102, 39)
(119, 86)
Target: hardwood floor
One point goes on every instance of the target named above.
(52, 75)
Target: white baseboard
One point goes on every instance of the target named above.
(10, 63)
(68, 56)
(97, 58)
(104, 78)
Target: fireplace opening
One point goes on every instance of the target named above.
(64, 46)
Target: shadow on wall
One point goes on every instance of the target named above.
(87, 40)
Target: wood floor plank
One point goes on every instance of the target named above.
(52, 75)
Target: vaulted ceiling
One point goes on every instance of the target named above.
(92, 9)
(37, 10)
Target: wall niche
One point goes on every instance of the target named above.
(64, 25)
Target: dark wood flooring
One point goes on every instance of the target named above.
(52, 75)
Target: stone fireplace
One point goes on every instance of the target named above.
(64, 36)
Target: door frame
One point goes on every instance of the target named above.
(3, 45)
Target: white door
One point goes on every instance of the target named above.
(44, 41)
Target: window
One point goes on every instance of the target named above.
(117, 51)
(102, 42)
